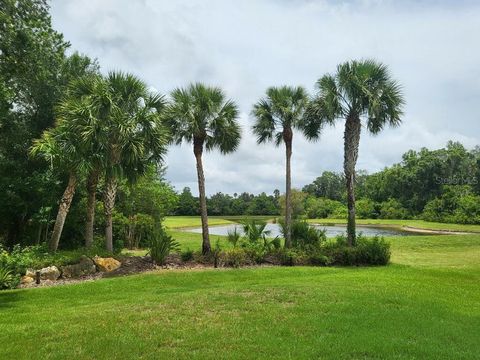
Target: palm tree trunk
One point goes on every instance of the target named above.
(92, 183)
(63, 208)
(351, 144)
(108, 204)
(198, 150)
(288, 136)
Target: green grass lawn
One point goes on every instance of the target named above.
(425, 305)
(175, 222)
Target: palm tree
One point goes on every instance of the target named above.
(61, 149)
(131, 134)
(359, 90)
(91, 90)
(276, 116)
(202, 116)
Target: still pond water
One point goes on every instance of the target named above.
(331, 231)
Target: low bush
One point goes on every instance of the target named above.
(187, 255)
(8, 280)
(319, 259)
(368, 251)
(306, 236)
(161, 245)
(235, 257)
(290, 257)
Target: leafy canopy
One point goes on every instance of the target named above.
(362, 89)
(281, 109)
(202, 113)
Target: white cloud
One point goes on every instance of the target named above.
(246, 46)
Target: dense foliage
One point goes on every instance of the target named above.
(436, 185)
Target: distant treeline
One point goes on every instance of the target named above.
(436, 185)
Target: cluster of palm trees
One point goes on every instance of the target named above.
(111, 127)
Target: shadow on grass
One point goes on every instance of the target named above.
(9, 298)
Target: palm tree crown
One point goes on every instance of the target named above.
(201, 113)
(281, 109)
(360, 89)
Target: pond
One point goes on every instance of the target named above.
(331, 230)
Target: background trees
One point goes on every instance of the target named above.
(359, 89)
(202, 116)
(34, 71)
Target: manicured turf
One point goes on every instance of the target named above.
(425, 305)
(174, 222)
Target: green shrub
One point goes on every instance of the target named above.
(318, 259)
(161, 245)
(235, 257)
(368, 251)
(304, 236)
(365, 209)
(290, 257)
(187, 255)
(7, 279)
(393, 209)
(233, 237)
(372, 251)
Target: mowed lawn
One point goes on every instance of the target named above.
(425, 305)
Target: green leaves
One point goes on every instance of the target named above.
(203, 112)
(281, 109)
(359, 88)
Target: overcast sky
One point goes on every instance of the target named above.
(431, 47)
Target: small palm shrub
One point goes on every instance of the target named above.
(161, 245)
(305, 236)
(255, 230)
(233, 237)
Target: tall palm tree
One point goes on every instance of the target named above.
(359, 90)
(62, 150)
(131, 134)
(91, 89)
(202, 116)
(276, 116)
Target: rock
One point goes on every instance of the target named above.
(25, 280)
(85, 267)
(106, 264)
(30, 273)
(49, 273)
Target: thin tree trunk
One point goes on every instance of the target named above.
(92, 183)
(63, 208)
(288, 136)
(108, 204)
(39, 234)
(198, 150)
(351, 144)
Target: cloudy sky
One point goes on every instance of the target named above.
(246, 46)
